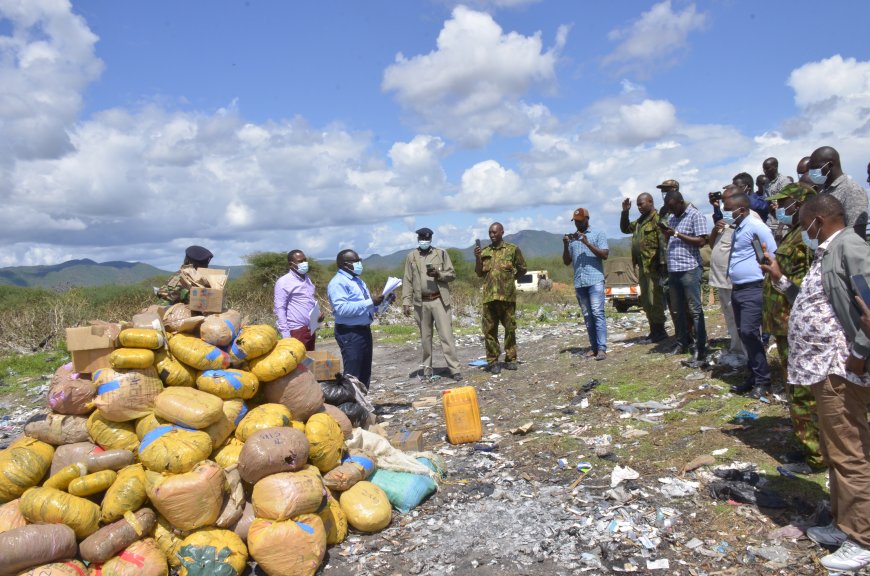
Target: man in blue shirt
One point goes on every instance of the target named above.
(354, 309)
(587, 250)
(747, 281)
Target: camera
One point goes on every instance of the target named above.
(573, 236)
(717, 195)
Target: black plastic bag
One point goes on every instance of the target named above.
(356, 413)
(747, 494)
(337, 392)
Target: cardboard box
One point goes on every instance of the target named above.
(90, 346)
(323, 364)
(209, 299)
(408, 440)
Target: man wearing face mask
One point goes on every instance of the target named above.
(586, 250)
(829, 351)
(794, 259)
(746, 288)
(294, 300)
(354, 309)
(647, 255)
(825, 171)
(426, 291)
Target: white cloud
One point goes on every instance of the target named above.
(471, 86)
(654, 39)
(486, 185)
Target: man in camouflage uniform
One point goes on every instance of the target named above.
(499, 264)
(647, 254)
(177, 288)
(792, 255)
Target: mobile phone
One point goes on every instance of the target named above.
(759, 251)
(477, 243)
(429, 267)
(859, 283)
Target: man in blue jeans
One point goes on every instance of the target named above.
(354, 309)
(686, 233)
(587, 250)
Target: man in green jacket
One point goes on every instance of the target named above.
(648, 256)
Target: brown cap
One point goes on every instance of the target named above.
(670, 183)
(580, 214)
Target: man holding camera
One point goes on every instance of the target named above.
(587, 250)
(647, 254)
(425, 286)
(747, 281)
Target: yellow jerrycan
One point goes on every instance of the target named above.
(462, 415)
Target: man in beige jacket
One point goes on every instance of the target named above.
(425, 289)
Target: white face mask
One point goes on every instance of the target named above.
(302, 267)
(424, 244)
(357, 268)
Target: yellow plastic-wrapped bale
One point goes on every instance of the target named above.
(141, 338)
(189, 407)
(205, 550)
(124, 395)
(112, 435)
(341, 419)
(288, 547)
(141, 558)
(147, 423)
(66, 568)
(253, 341)
(234, 411)
(10, 516)
(57, 429)
(171, 371)
(127, 493)
(167, 540)
(197, 354)
(131, 358)
(22, 465)
(64, 476)
(366, 506)
(263, 417)
(221, 329)
(228, 384)
(32, 545)
(92, 483)
(326, 440)
(190, 500)
(228, 454)
(70, 392)
(288, 494)
(334, 521)
(299, 391)
(51, 506)
(287, 354)
(110, 540)
(173, 449)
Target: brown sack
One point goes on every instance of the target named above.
(299, 391)
(221, 329)
(10, 516)
(244, 521)
(65, 568)
(179, 318)
(58, 429)
(191, 500)
(70, 392)
(234, 500)
(141, 558)
(111, 539)
(271, 451)
(124, 395)
(287, 547)
(109, 460)
(35, 544)
(288, 494)
(71, 454)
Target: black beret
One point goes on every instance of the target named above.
(198, 254)
(424, 232)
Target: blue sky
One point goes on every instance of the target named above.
(129, 130)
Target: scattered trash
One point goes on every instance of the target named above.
(622, 473)
(791, 531)
(678, 488)
(524, 429)
(633, 433)
(746, 494)
(719, 451)
(702, 460)
(776, 554)
(660, 564)
(479, 362)
(744, 415)
(426, 402)
(486, 447)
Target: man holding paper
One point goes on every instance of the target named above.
(425, 289)
(354, 309)
(295, 303)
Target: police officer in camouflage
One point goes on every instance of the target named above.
(649, 257)
(500, 264)
(177, 288)
(794, 259)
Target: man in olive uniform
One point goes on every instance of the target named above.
(792, 255)
(647, 254)
(426, 291)
(177, 288)
(500, 264)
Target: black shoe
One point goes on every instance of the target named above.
(694, 363)
(510, 365)
(457, 377)
(494, 368)
(742, 388)
(679, 350)
(759, 392)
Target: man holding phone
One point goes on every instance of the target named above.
(426, 291)
(747, 281)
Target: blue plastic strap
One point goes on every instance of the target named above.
(362, 461)
(242, 413)
(108, 387)
(97, 374)
(214, 354)
(305, 527)
(237, 353)
(231, 327)
(153, 435)
(232, 378)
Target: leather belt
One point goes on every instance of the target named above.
(754, 284)
(430, 297)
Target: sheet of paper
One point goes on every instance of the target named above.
(391, 285)
(313, 317)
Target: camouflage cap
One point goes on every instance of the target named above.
(670, 183)
(798, 191)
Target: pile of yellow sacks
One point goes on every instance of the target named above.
(174, 458)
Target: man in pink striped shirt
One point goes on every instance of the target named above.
(294, 300)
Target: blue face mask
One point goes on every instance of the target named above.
(784, 218)
(811, 243)
(357, 268)
(302, 268)
(424, 244)
(817, 177)
(728, 217)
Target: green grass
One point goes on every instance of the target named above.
(15, 366)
